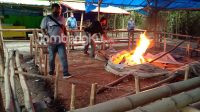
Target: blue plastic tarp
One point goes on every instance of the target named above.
(160, 4)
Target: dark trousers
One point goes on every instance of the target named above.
(90, 41)
(61, 50)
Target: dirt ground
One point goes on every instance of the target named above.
(86, 71)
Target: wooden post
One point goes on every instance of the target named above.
(27, 97)
(81, 24)
(187, 70)
(72, 103)
(31, 46)
(188, 49)
(45, 64)
(41, 58)
(1, 51)
(123, 21)
(9, 105)
(165, 43)
(137, 84)
(93, 94)
(56, 82)
(2, 109)
(36, 46)
(114, 26)
(99, 7)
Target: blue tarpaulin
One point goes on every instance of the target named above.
(158, 4)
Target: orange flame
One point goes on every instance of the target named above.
(134, 56)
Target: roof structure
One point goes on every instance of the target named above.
(158, 4)
(78, 6)
(27, 2)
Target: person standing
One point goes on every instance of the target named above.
(72, 25)
(130, 28)
(71, 22)
(54, 27)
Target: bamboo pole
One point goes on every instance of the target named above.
(31, 46)
(45, 65)
(123, 21)
(72, 103)
(56, 81)
(2, 109)
(32, 75)
(165, 43)
(167, 52)
(188, 49)
(36, 46)
(93, 94)
(137, 84)
(41, 58)
(112, 83)
(81, 24)
(171, 104)
(189, 109)
(9, 105)
(187, 70)
(12, 82)
(1, 52)
(19, 30)
(130, 102)
(99, 7)
(26, 92)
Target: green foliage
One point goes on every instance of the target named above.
(119, 20)
(184, 22)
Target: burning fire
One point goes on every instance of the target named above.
(133, 57)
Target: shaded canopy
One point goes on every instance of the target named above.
(158, 4)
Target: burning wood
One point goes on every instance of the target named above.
(133, 57)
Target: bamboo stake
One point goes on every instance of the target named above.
(99, 7)
(187, 72)
(188, 49)
(2, 109)
(93, 94)
(45, 64)
(9, 106)
(26, 92)
(36, 46)
(1, 52)
(189, 109)
(165, 43)
(81, 24)
(31, 46)
(41, 57)
(137, 84)
(56, 82)
(72, 103)
(12, 82)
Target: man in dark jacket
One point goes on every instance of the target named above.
(91, 31)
